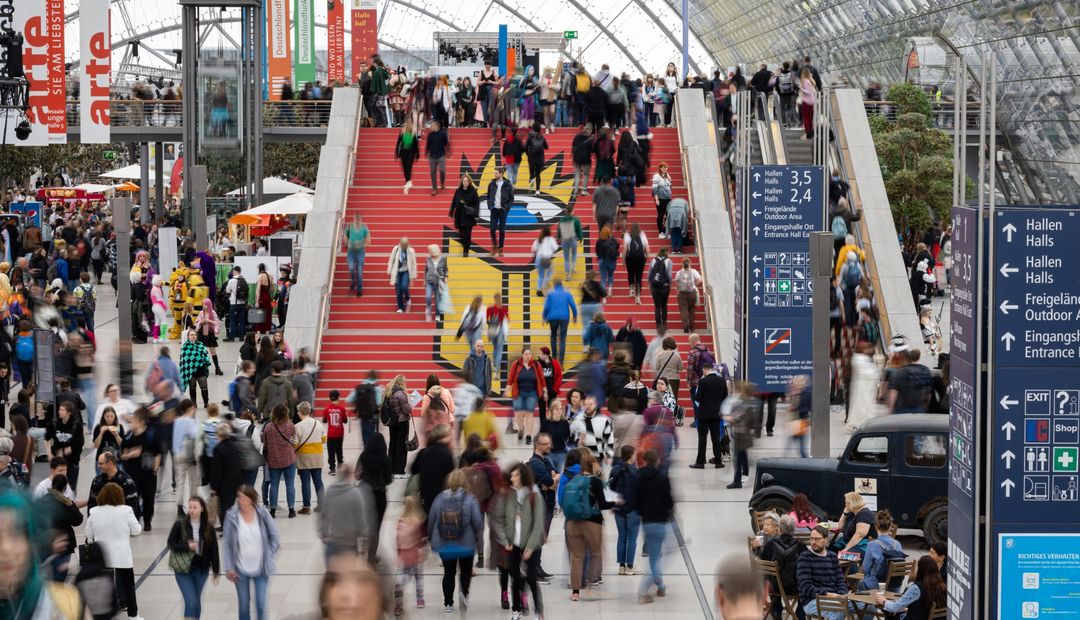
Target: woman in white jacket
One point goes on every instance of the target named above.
(111, 524)
(402, 270)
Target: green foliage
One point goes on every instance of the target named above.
(908, 98)
(79, 161)
(916, 166)
(293, 161)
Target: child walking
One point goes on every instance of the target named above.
(411, 540)
(333, 415)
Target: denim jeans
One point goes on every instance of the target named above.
(367, 429)
(655, 533)
(586, 312)
(558, 338)
(191, 588)
(810, 608)
(431, 298)
(562, 113)
(543, 273)
(676, 235)
(511, 172)
(498, 225)
(237, 321)
(607, 272)
(628, 525)
(498, 345)
(401, 289)
(569, 256)
(558, 459)
(307, 476)
(356, 270)
(289, 473)
(243, 595)
(86, 386)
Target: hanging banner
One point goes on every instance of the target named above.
(41, 23)
(335, 41)
(365, 35)
(278, 57)
(303, 42)
(95, 37)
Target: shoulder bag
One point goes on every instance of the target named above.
(180, 561)
(414, 442)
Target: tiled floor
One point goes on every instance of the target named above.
(713, 522)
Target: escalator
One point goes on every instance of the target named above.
(799, 151)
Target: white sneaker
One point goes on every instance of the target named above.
(663, 235)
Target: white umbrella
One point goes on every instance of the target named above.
(273, 186)
(128, 172)
(299, 203)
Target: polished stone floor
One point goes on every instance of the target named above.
(712, 522)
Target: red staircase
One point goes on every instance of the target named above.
(366, 333)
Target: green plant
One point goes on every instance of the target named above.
(908, 98)
(917, 168)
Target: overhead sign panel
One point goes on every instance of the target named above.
(95, 36)
(786, 204)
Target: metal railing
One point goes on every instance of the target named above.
(943, 114)
(157, 113)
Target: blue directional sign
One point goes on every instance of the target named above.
(786, 204)
(1035, 400)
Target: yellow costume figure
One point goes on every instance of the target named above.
(178, 296)
(197, 289)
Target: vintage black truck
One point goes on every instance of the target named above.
(898, 462)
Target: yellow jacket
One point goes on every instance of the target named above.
(482, 423)
(841, 256)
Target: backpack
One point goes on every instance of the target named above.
(636, 249)
(53, 273)
(684, 281)
(577, 501)
(364, 402)
(853, 274)
(535, 145)
(785, 84)
(787, 560)
(478, 483)
(87, 302)
(16, 474)
(704, 360)
(452, 521)
(386, 413)
(839, 228)
(658, 275)
(888, 556)
(24, 349)
(234, 398)
(250, 459)
(241, 290)
(622, 482)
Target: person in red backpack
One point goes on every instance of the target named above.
(333, 415)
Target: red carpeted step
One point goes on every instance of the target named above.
(366, 333)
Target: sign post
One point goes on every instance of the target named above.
(569, 34)
(1035, 430)
(787, 204)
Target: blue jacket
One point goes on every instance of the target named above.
(559, 305)
(542, 467)
(230, 541)
(567, 475)
(599, 337)
(473, 525)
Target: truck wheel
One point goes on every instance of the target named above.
(776, 504)
(936, 524)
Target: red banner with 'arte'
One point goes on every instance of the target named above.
(335, 41)
(42, 24)
(365, 35)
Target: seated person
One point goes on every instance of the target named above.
(938, 551)
(926, 591)
(784, 550)
(882, 549)
(770, 529)
(819, 573)
(802, 513)
(855, 524)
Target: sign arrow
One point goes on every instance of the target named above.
(757, 259)
(1008, 427)
(1008, 457)
(756, 195)
(1006, 306)
(757, 332)
(756, 212)
(1008, 486)
(1006, 401)
(1008, 229)
(1006, 270)
(1008, 339)
(757, 230)
(756, 299)
(757, 272)
(757, 176)
(757, 286)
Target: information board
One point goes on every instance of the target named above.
(786, 204)
(1035, 400)
(965, 400)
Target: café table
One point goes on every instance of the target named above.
(867, 603)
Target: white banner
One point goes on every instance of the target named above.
(41, 23)
(278, 32)
(95, 37)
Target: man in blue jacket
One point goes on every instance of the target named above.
(558, 307)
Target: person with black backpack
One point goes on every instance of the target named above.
(784, 550)
(454, 526)
(786, 87)
(635, 252)
(660, 287)
(535, 146)
(237, 289)
(365, 399)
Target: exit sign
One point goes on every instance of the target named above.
(569, 34)
(108, 155)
